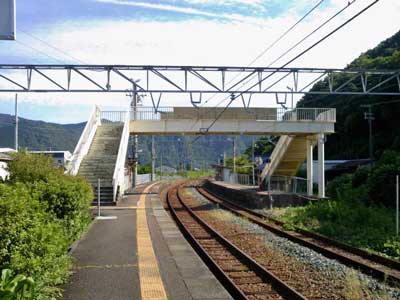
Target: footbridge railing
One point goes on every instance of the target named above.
(84, 142)
(143, 113)
(119, 171)
(276, 156)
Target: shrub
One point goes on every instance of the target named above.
(360, 177)
(359, 212)
(42, 212)
(33, 241)
(382, 184)
(69, 198)
(339, 185)
(26, 167)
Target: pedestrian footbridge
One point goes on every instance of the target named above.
(102, 147)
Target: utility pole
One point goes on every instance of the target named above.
(369, 116)
(161, 160)
(291, 92)
(135, 137)
(16, 122)
(153, 159)
(190, 156)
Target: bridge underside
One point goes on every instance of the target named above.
(229, 127)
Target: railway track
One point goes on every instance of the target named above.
(243, 277)
(371, 264)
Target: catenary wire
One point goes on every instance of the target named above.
(51, 46)
(290, 61)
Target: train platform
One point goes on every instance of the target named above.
(141, 254)
(254, 197)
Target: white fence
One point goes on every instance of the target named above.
(242, 179)
(307, 114)
(84, 142)
(109, 116)
(119, 171)
(285, 184)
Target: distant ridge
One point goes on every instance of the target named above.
(39, 135)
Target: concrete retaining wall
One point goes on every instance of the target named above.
(252, 199)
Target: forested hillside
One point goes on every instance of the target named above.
(176, 150)
(39, 135)
(351, 137)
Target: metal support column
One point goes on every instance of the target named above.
(321, 165)
(309, 167)
(234, 156)
(153, 160)
(253, 162)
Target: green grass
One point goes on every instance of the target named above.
(361, 211)
(352, 222)
(196, 174)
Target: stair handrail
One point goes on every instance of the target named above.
(119, 171)
(276, 155)
(85, 141)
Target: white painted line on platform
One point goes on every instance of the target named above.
(106, 218)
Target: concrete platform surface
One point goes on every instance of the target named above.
(108, 265)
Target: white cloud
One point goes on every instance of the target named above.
(259, 4)
(183, 10)
(200, 42)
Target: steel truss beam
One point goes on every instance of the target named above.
(195, 80)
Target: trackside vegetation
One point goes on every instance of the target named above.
(361, 208)
(42, 212)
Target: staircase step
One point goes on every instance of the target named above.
(100, 161)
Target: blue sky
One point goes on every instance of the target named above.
(195, 32)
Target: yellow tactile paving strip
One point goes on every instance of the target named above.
(151, 285)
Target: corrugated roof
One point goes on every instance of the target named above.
(5, 157)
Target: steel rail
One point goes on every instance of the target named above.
(316, 242)
(281, 287)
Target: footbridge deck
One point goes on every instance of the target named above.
(100, 145)
(233, 120)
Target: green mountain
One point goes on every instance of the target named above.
(174, 150)
(352, 133)
(39, 135)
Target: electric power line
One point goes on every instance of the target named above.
(39, 51)
(315, 30)
(271, 45)
(51, 46)
(290, 61)
(298, 43)
(265, 51)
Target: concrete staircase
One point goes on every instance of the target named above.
(100, 160)
(289, 154)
